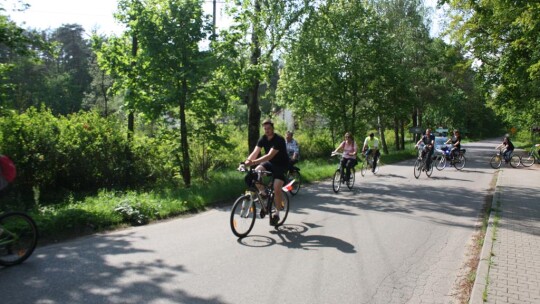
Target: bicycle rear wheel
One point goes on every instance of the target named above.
(350, 182)
(459, 162)
(336, 182)
(440, 162)
(298, 181)
(417, 168)
(284, 211)
(495, 161)
(515, 161)
(18, 238)
(243, 214)
(528, 160)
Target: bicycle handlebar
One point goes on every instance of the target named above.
(242, 168)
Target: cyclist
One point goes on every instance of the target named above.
(429, 142)
(349, 148)
(509, 148)
(275, 160)
(456, 143)
(292, 148)
(371, 145)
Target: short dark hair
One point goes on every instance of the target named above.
(371, 134)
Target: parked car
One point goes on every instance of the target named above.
(439, 143)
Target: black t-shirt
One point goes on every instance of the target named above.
(509, 144)
(278, 143)
(427, 140)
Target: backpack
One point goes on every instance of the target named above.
(7, 168)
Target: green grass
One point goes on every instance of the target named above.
(79, 214)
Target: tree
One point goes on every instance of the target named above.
(258, 33)
(337, 66)
(168, 69)
(503, 38)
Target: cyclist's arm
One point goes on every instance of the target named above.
(253, 156)
(340, 147)
(266, 157)
(355, 150)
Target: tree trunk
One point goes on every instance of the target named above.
(131, 115)
(254, 111)
(186, 172)
(396, 132)
(402, 126)
(383, 138)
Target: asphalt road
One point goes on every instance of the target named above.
(392, 239)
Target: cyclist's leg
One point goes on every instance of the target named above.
(278, 181)
(429, 154)
(375, 159)
(343, 164)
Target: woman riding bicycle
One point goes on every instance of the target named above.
(509, 148)
(456, 143)
(349, 148)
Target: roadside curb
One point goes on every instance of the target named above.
(482, 273)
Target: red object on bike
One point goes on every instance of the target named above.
(7, 168)
(288, 187)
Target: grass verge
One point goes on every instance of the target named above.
(81, 214)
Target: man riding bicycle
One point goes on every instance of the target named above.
(275, 160)
(429, 142)
(371, 146)
(293, 149)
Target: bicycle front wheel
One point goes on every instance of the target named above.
(495, 161)
(363, 167)
(336, 182)
(430, 171)
(459, 162)
(417, 168)
(350, 182)
(18, 238)
(297, 181)
(515, 161)
(440, 162)
(243, 214)
(528, 160)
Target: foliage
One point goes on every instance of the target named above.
(332, 68)
(503, 38)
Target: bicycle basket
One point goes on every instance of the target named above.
(250, 179)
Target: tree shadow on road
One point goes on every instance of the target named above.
(79, 272)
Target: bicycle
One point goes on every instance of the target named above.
(458, 160)
(18, 238)
(246, 207)
(531, 157)
(367, 164)
(496, 160)
(420, 163)
(339, 177)
(293, 174)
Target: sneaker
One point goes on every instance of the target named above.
(274, 221)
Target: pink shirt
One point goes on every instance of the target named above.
(349, 148)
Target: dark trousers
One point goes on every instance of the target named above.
(375, 158)
(347, 164)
